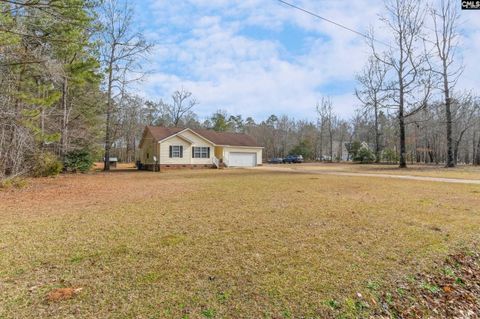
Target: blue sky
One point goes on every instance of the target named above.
(259, 57)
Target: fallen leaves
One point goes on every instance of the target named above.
(448, 289)
(63, 294)
(459, 294)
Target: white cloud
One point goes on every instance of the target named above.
(201, 47)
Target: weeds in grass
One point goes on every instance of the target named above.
(354, 308)
(400, 291)
(208, 313)
(150, 277)
(431, 288)
(77, 259)
(333, 304)
(172, 240)
(448, 271)
(223, 297)
(286, 314)
(389, 298)
(373, 286)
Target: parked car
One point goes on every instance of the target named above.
(275, 160)
(293, 159)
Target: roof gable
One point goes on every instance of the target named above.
(160, 133)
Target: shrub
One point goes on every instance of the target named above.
(390, 156)
(16, 182)
(353, 148)
(78, 160)
(303, 148)
(364, 155)
(46, 164)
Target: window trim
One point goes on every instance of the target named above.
(176, 151)
(200, 152)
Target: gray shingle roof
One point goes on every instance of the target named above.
(218, 138)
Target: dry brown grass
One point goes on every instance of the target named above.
(220, 243)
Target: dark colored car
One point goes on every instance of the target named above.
(293, 159)
(275, 160)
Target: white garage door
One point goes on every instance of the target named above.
(242, 159)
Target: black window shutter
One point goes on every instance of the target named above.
(181, 151)
(208, 152)
(170, 151)
(193, 152)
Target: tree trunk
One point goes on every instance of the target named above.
(455, 154)
(448, 114)
(403, 149)
(321, 142)
(108, 146)
(331, 145)
(457, 146)
(401, 114)
(477, 155)
(64, 137)
(377, 136)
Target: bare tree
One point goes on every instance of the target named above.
(463, 112)
(373, 94)
(445, 21)
(122, 48)
(327, 121)
(476, 151)
(343, 132)
(406, 57)
(183, 103)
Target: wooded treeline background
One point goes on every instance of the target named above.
(67, 66)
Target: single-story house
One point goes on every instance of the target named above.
(172, 147)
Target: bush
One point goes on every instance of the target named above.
(15, 182)
(46, 164)
(390, 156)
(353, 148)
(79, 160)
(364, 155)
(303, 148)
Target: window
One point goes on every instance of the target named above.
(176, 151)
(200, 152)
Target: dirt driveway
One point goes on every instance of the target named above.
(307, 170)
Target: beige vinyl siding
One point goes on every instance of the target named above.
(232, 149)
(187, 149)
(165, 151)
(199, 142)
(150, 147)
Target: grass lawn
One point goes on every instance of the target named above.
(222, 243)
